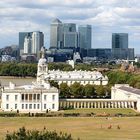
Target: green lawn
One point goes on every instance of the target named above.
(101, 111)
(83, 127)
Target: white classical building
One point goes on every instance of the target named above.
(126, 93)
(37, 97)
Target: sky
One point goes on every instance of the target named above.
(105, 16)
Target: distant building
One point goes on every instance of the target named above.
(120, 48)
(37, 42)
(22, 36)
(70, 36)
(27, 44)
(120, 40)
(56, 34)
(69, 27)
(11, 51)
(85, 34)
(31, 42)
(98, 53)
(70, 39)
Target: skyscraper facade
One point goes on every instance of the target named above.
(70, 36)
(27, 44)
(120, 40)
(120, 45)
(69, 27)
(31, 42)
(85, 36)
(37, 41)
(56, 34)
(70, 39)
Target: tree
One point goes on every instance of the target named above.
(100, 90)
(54, 83)
(89, 90)
(77, 90)
(64, 90)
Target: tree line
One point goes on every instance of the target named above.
(80, 91)
(119, 77)
(18, 69)
(29, 69)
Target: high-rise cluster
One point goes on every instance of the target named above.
(65, 35)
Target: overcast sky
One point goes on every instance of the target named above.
(105, 16)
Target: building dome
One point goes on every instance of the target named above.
(42, 61)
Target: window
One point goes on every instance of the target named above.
(15, 106)
(22, 106)
(53, 97)
(16, 97)
(38, 106)
(22, 97)
(34, 106)
(7, 106)
(30, 97)
(53, 106)
(34, 97)
(26, 97)
(44, 106)
(30, 106)
(26, 106)
(38, 96)
(7, 97)
(45, 97)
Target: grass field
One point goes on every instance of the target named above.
(96, 111)
(83, 127)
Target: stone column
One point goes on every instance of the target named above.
(99, 105)
(91, 104)
(95, 104)
(85, 104)
(74, 104)
(77, 104)
(108, 104)
(102, 104)
(115, 104)
(105, 104)
(88, 104)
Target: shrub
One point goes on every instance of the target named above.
(23, 134)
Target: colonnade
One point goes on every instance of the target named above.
(71, 103)
(30, 97)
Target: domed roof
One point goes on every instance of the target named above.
(42, 61)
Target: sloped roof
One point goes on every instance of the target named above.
(57, 21)
(130, 89)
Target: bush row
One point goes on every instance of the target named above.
(63, 114)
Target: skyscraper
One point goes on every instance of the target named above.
(56, 34)
(69, 27)
(120, 45)
(37, 41)
(27, 44)
(21, 40)
(70, 36)
(85, 36)
(120, 40)
(70, 39)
